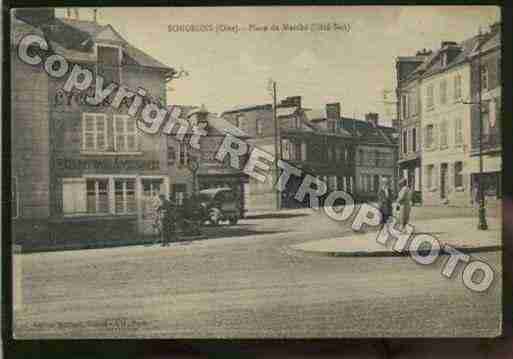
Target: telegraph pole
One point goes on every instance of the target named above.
(482, 209)
(277, 140)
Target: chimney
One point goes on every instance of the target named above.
(291, 101)
(35, 16)
(372, 117)
(333, 111)
(446, 44)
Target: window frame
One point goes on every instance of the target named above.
(430, 97)
(120, 59)
(97, 195)
(458, 175)
(95, 148)
(458, 131)
(125, 134)
(457, 94)
(443, 91)
(124, 181)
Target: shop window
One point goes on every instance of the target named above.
(125, 133)
(14, 198)
(124, 196)
(458, 174)
(97, 194)
(73, 195)
(109, 63)
(94, 132)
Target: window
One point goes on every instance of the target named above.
(179, 190)
(458, 131)
(109, 63)
(443, 134)
(405, 141)
(97, 192)
(171, 154)
(457, 87)
(183, 152)
(73, 195)
(485, 119)
(14, 198)
(259, 126)
(414, 139)
(484, 78)
(94, 132)
(285, 149)
(404, 106)
(430, 97)
(124, 196)
(125, 133)
(297, 151)
(458, 174)
(239, 121)
(428, 140)
(430, 176)
(443, 92)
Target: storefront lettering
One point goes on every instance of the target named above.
(106, 164)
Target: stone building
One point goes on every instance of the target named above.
(257, 123)
(82, 172)
(409, 110)
(210, 172)
(371, 151)
(489, 65)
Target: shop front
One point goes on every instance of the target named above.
(105, 199)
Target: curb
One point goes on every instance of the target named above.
(391, 253)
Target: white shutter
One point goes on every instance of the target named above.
(303, 151)
(73, 195)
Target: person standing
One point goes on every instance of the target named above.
(167, 212)
(404, 201)
(385, 198)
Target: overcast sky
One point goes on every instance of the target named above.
(228, 69)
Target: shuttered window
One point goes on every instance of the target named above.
(94, 132)
(125, 134)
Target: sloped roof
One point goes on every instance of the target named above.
(72, 38)
(246, 107)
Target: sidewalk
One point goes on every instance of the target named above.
(460, 233)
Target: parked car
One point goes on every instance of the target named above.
(220, 204)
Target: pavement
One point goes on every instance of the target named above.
(459, 233)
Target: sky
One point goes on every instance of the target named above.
(354, 67)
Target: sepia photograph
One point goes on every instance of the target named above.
(256, 172)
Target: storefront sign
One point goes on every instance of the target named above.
(106, 164)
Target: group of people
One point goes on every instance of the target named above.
(170, 216)
(386, 199)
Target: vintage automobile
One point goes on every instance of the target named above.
(220, 204)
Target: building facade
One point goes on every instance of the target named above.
(83, 172)
(409, 112)
(486, 72)
(446, 126)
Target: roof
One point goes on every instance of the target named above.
(492, 42)
(247, 107)
(73, 38)
(226, 127)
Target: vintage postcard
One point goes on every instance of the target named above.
(256, 172)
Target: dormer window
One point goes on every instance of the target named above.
(109, 62)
